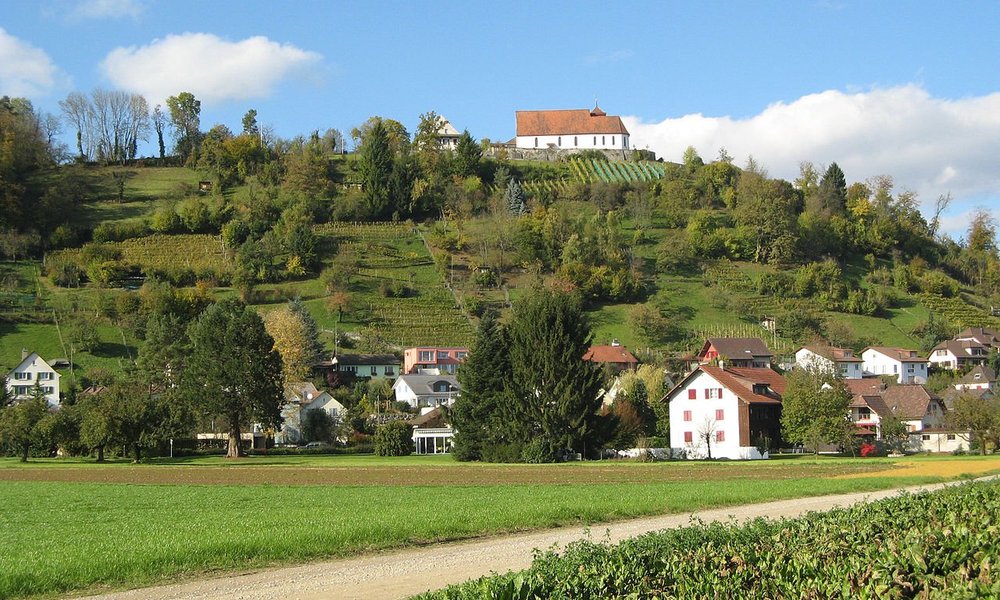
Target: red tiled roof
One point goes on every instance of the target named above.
(567, 122)
(741, 382)
(610, 354)
(908, 402)
(868, 386)
(737, 348)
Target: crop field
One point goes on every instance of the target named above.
(197, 252)
(613, 171)
(930, 545)
(74, 525)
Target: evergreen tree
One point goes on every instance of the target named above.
(467, 155)
(476, 415)
(552, 394)
(233, 371)
(514, 197)
(375, 163)
(833, 190)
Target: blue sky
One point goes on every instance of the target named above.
(909, 89)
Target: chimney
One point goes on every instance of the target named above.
(24, 353)
(722, 364)
(615, 343)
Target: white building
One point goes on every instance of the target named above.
(979, 378)
(722, 412)
(33, 370)
(420, 390)
(447, 135)
(905, 365)
(922, 412)
(829, 358)
(300, 398)
(574, 129)
(959, 354)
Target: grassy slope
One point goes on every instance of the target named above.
(70, 536)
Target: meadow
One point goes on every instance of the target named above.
(72, 525)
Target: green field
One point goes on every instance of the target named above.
(72, 525)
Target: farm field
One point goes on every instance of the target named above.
(73, 525)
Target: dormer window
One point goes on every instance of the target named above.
(761, 389)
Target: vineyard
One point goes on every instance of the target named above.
(612, 171)
(958, 312)
(200, 253)
(394, 253)
(928, 545)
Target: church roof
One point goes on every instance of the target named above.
(568, 122)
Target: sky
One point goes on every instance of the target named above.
(909, 89)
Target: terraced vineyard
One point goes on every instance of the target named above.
(611, 171)
(959, 312)
(393, 252)
(197, 252)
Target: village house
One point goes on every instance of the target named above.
(922, 412)
(300, 398)
(958, 354)
(615, 356)
(988, 337)
(905, 365)
(841, 360)
(32, 370)
(979, 378)
(744, 353)
(573, 129)
(367, 366)
(419, 390)
(432, 434)
(726, 412)
(447, 135)
(430, 359)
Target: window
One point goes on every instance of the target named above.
(48, 389)
(22, 390)
(925, 437)
(626, 143)
(895, 369)
(692, 394)
(595, 140)
(559, 141)
(22, 376)
(390, 372)
(536, 142)
(688, 437)
(940, 352)
(426, 355)
(374, 371)
(45, 376)
(442, 356)
(602, 140)
(864, 413)
(574, 142)
(951, 437)
(720, 415)
(712, 393)
(612, 140)
(461, 355)
(720, 436)
(687, 415)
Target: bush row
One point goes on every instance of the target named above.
(939, 544)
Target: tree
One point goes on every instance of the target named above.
(375, 162)
(76, 107)
(159, 124)
(467, 155)
(393, 439)
(814, 408)
(296, 338)
(477, 413)
(514, 198)
(233, 371)
(250, 123)
(553, 394)
(319, 426)
(19, 424)
(97, 429)
(894, 432)
(979, 416)
(185, 118)
(832, 192)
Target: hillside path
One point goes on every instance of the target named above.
(402, 573)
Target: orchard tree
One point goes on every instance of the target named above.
(979, 416)
(233, 371)
(19, 424)
(815, 408)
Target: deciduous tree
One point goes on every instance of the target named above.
(233, 371)
(814, 408)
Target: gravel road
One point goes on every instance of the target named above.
(403, 573)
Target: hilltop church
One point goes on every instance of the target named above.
(574, 129)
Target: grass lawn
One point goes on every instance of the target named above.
(72, 525)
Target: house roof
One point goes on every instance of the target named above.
(870, 386)
(909, 402)
(610, 354)
(979, 374)
(432, 418)
(741, 382)
(447, 129)
(567, 122)
(303, 391)
(872, 401)
(365, 359)
(737, 348)
(31, 358)
(424, 384)
(983, 335)
(833, 353)
(959, 347)
(952, 394)
(900, 354)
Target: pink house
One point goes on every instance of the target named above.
(445, 360)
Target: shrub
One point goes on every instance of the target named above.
(393, 439)
(868, 449)
(117, 231)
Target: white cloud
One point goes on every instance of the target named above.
(929, 145)
(108, 9)
(25, 70)
(213, 69)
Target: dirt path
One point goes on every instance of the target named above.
(404, 573)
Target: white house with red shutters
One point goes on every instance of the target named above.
(726, 412)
